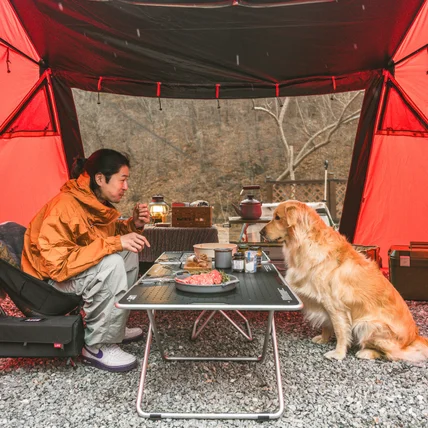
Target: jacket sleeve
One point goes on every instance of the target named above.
(127, 226)
(64, 257)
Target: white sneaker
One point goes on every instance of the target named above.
(109, 357)
(132, 335)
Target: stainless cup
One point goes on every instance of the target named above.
(223, 258)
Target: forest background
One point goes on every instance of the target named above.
(190, 150)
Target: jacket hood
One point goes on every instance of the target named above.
(80, 190)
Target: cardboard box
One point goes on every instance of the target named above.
(192, 216)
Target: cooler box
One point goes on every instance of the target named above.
(408, 270)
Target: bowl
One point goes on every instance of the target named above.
(208, 248)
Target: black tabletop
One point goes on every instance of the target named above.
(263, 290)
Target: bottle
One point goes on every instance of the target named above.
(238, 262)
(250, 261)
(242, 248)
(259, 253)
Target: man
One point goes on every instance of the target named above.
(79, 245)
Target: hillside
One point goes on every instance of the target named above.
(192, 149)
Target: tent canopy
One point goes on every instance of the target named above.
(245, 49)
(222, 49)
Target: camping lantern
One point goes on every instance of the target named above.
(159, 209)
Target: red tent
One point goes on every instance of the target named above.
(221, 49)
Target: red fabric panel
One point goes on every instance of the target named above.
(398, 116)
(412, 76)
(360, 158)
(395, 204)
(35, 116)
(28, 184)
(16, 84)
(12, 32)
(416, 37)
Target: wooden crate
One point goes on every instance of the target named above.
(192, 216)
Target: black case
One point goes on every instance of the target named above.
(408, 270)
(59, 336)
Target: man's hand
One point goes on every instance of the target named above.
(141, 216)
(134, 242)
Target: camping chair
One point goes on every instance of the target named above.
(32, 296)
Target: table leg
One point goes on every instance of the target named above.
(270, 331)
(196, 332)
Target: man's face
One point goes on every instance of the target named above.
(114, 190)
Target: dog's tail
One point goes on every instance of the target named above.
(416, 352)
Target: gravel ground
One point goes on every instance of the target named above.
(317, 392)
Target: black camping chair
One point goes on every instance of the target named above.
(33, 297)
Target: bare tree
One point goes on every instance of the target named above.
(333, 112)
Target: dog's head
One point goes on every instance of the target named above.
(287, 217)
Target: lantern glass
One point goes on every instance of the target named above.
(158, 209)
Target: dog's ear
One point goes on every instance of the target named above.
(291, 213)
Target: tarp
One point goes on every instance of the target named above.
(220, 49)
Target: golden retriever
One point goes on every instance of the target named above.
(343, 292)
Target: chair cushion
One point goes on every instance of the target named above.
(12, 234)
(7, 254)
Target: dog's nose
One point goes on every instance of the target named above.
(263, 233)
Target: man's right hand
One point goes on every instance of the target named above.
(134, 242)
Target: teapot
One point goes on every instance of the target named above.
(249, 209)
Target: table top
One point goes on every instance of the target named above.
(264, 290)
(240, 220)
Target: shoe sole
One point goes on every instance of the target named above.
(133, 339)
(113, 369)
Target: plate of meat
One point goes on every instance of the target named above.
(210, 282)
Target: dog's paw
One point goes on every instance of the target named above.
(368, 354)
(320, 340)
(335, 355)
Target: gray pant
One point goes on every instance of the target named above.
(101, 286)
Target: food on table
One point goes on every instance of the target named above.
(211, 278)
(201, 262)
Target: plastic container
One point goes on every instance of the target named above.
(250, 261)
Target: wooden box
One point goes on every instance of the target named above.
(192, 216)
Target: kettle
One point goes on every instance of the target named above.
(249, 209)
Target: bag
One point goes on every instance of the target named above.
(59, 336)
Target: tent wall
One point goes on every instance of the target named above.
(393, 203)
(33, 154)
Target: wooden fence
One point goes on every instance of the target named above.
(309, 191)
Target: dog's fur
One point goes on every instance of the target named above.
(343, 292)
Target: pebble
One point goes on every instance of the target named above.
(317, 392)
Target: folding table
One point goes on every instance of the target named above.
(180, 257)
(265, 290)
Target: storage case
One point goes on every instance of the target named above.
(59, 336)
(408, 270)
(192, 216)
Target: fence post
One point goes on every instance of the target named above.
(331, 201)
(269, 190)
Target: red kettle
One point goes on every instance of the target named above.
(249, 209)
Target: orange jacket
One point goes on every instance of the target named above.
(72, 233)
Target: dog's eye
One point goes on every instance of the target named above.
(277, 217)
